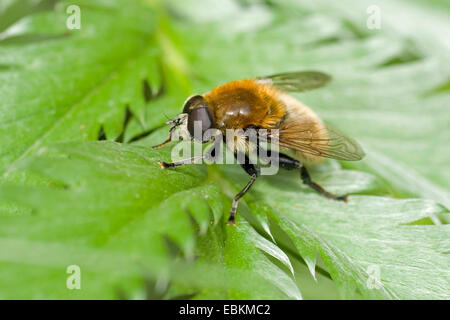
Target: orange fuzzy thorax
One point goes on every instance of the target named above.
(242, 103)
(239, 104)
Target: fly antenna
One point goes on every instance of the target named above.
(165, 115)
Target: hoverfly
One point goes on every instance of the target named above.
(263, 103)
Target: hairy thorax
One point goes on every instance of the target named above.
(248, 103)
(244, 103)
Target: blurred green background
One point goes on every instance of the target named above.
(138, 232)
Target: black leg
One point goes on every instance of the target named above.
(253, 171)
(304, 174)
(211, 153)
(165, 165)
(289, 163)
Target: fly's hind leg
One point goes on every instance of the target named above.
(253, 172)
(289, 163)
(304, 174)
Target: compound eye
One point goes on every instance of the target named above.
(199, 120)
(193, 102)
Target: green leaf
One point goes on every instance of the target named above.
(104, 195)
(105, 198)
(139, 232)
(369, 233)
(250, 266)
(65, 89)
(17, 10)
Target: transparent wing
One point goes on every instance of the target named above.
(330, 143)
(297, 81)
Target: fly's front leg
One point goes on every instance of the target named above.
(210, 155)
(165, 165)
(289, 163)
(253, 171)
